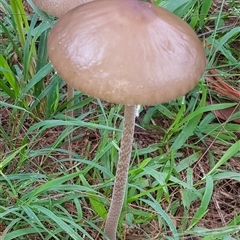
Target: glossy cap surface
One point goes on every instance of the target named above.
(127, 52)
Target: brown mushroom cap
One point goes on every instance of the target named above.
(58, 7)
(126, 52)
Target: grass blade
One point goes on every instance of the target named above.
(234, 149)
(202, 210)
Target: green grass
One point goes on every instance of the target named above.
(174, 178)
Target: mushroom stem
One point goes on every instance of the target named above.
(70, 95)
(122, 173)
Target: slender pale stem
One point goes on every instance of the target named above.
(70, 95)
(122, 173)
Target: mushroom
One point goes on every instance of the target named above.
(57, 8)
(126, 52)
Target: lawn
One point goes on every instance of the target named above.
(58, 154)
